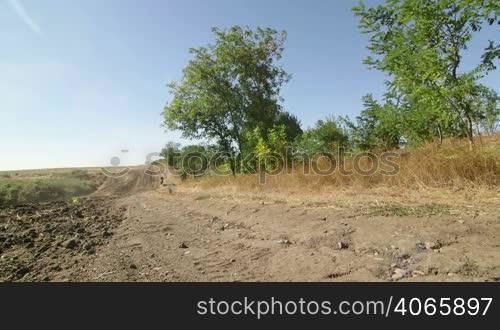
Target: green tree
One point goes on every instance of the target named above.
(291, 123)
(192, 161)
(270, 149)
(420, 44)
(379, 126)
(229, 88)
(325, 137)
(170, 152)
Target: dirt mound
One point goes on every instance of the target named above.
(133, 181)
(44, 242)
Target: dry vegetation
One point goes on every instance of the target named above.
(448, 172)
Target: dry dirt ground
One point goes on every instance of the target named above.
(167, 234)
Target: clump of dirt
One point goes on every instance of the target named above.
(48, 241)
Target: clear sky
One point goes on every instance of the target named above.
(82, 80)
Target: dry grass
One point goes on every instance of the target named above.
(448, 171)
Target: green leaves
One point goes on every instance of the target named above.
(229, 87)
(325, 137)
(420, 44)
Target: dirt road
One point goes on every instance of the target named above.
(195, 237)
(156, 235)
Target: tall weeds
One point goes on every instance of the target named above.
(450, 165)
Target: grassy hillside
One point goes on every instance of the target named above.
(46, 185)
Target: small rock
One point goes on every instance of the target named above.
(324, 218)
(343, 245)
(430, 245)
(196, 263)
(284, 242)
(57, 268)
(133, 266)
(70, 244)
(183, 246)
(394, 265)
(233, 260)
(399, 274)
(416, 273)
(420, 245)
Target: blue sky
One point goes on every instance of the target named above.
(82, 80)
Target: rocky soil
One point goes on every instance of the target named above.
(47, 242)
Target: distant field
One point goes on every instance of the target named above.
(47, 172)
(47, 184)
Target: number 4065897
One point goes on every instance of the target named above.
(444, 306)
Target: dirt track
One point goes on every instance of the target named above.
(186, 237)
(178, 236)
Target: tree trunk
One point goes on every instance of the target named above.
(440, 132)
(479, 134)
(470, 133)
(232, 165)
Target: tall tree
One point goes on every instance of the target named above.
(420, 44)
(229, 87)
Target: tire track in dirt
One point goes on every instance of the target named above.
(185, 237)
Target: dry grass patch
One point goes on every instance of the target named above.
(430, 176)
